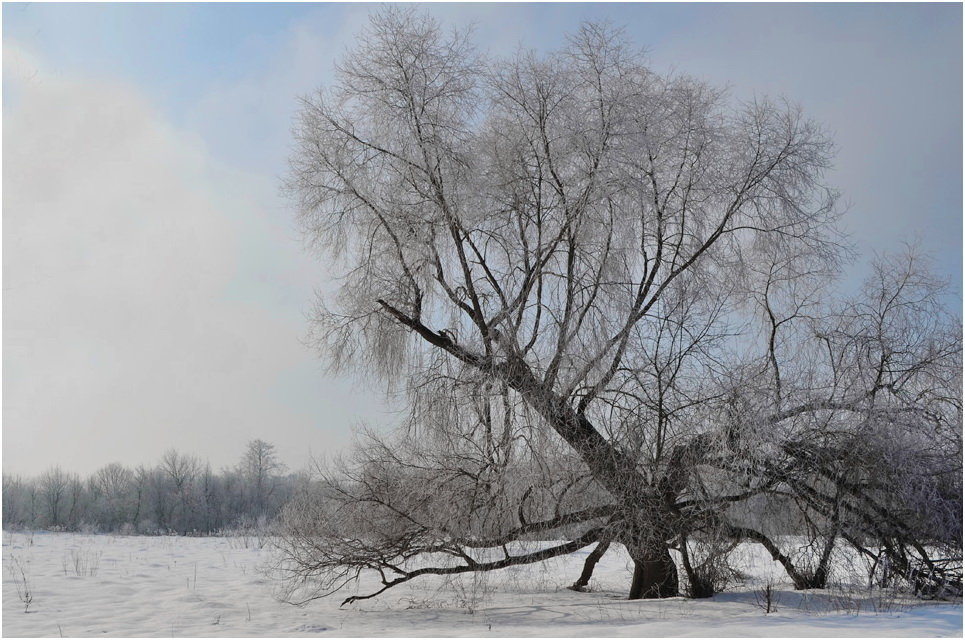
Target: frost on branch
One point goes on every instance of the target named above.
(602, 294)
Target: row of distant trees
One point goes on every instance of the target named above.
(179, 494)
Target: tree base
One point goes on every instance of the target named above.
(654, 576)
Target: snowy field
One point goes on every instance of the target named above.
(103, 585)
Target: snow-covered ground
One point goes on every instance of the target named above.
(87, 585)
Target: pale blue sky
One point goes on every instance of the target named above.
(154, 286)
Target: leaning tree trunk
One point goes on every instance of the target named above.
(655, 574)
(590, 564)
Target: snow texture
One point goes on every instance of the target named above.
(103, 585)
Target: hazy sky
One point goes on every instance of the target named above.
(155, 287)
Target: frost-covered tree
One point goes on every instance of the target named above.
(112, 495)
(870, 425)
(182, 472)
(16, 502)
(592, 283)
(56, 495)
(261, 470)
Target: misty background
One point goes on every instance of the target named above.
(154, 285)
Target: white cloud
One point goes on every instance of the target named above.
(125, 329)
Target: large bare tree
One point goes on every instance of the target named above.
(567, 263)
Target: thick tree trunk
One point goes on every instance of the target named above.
(654, 573)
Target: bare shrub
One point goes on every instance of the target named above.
(17, 570)
(767, 597)
(84, 561)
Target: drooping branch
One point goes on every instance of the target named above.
(437, 339)
(537, 556)
(528, 528)
(800, 580)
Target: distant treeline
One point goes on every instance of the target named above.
(180, 494)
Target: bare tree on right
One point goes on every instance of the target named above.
(601, 292)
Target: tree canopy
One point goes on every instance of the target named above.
(603, 292)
